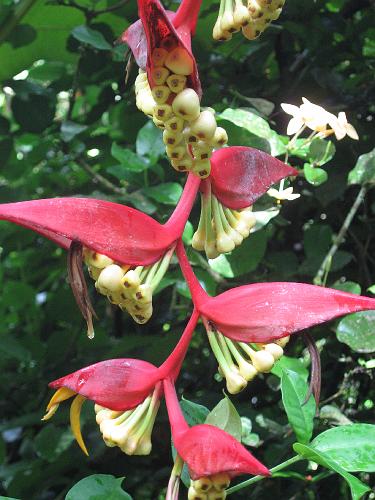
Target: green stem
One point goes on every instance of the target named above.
(255, 479)
(340, 237)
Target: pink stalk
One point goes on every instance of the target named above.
(187, 15)
(172, 365)
(180, 215)
(176, 417)
(198, 294)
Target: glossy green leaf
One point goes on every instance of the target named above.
(357, 331)
(357, 488)
(91, 37)
(321, 151)
(194, 413)
(364, 170)
(168, 193)
(128, 159)
(294, 389)
(350, 446)
(150, 143)
(98, 487)
(226, 417)
(348, 286)
(314, 175)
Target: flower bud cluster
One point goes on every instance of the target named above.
(129, 288)
(221, 229)
(240, 362)
(189, 133)
(251, 16)
(209, 488)
(130, 430)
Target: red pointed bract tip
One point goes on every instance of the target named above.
(264, 312)
(240, 175)
(208, 450)
(117, 231)
(117, 384)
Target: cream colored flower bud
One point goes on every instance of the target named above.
(198, 240)
(158, 122)
(98, 260)
(220, 35)
(202, 485)
(182, 165)
(202, 151)
(241, 16)
(220, 481)
(216, 495)
(146, 103)
(202, 168)
(248, 217)
(235, 236)
(161, 93)
(283, 342)
(250, 31)
(220, 138)
(227, 22)
(235, 382)
(144, 446)
(176, 153)
(190, 138)
(159, 75)
(263, 361)
(110, 278)
(162, 112)
(143, 294)
(94, 272)
(211, 250)
(274, 349)
(179, 61)
(176, 83)
(204, 126)
(248, 371)
(273, 15)
(159, 56)
(175, 125)
(243, 229)
(223, 243)
(186, 105)
(171, 139)
(194, 495)
(131, 280)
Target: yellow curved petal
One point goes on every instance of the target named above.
(75, 412)
(60, 395)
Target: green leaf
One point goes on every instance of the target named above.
(321, 151)
(226, 417)
(243, 259)
(168, 193)
(357, 488)
(348, 286)
(357, 331)
(98, 487)
(70, 129)
(301, 416)
(247, 437)
(188, 233)
(334, 415)
(52, 441)
(350, 446)
(364, 170)
(128, 159)
(150, 143)
(91, 37)
(314, 175)
(292, 364)
(193, 412)
(371, 289)
(255, 126)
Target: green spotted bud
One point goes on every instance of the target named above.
(131, 280)
(171, 139)
(220, 481)
(202, 168)
(161, 93)
(158, 123)
(176, 83)
(201, 150)
(194, 495)
(251, 31)
(186, 105)
(202, 485)
(111, 278)
(176, 153)
(143, 294)
(216, 495)
(159, 56)
(220, 138)
(162, 112)
(179, 62)
(204, 126)
(182, 165)
(175, 125)
(94, 272)
(96, 259)
(159, 75)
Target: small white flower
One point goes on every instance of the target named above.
(308, 114)
(341, 127)
(284, 194)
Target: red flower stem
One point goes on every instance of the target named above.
(176, 417)
(176, 222)
(172, 365)
(187, 14)
(197, 292)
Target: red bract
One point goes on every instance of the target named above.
(240, 175)
(207, 450)
(118, 384)
(158, 27)
(119, 232)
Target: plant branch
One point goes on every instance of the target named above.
(255, 479)
(324, 268)
(101, 180)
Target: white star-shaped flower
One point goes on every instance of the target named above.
(342, 127)
(311, 115)
(284, 194)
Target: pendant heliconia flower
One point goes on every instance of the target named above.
(212, 455)
(127, 252)
(239, 176)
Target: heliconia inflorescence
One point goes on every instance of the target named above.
(127, 253)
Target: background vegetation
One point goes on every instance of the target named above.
(69, 126)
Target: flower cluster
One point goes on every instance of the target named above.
(127, 253)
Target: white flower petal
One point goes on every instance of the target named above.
(351, 131)
(295, 124)
(291, 109)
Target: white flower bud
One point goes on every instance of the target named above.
(97, 259)
(247, 370)
(186, 105)
(179, 61)
(227, 22)
(110, 278)
(216, 495)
